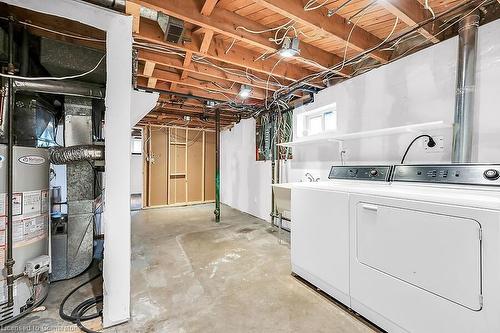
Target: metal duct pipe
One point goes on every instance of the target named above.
(65, 155)
(466, 87)
(69, 88)
(120, 5)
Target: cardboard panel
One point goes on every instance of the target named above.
(177, 189)
(195, 165)
(209, 166)
(158, 167)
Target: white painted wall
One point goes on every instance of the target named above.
(244, 181)
(142, 103)
(116, 269)
(416, 89)
(136, 174)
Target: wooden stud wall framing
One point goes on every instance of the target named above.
(179, 166)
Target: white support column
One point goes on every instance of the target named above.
(118, 104)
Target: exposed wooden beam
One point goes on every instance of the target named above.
(198, 82)
(187, 62)
(195, 92)
(226, 23)
(208, 7)
(176, 111)
(149, 67)
(134, 10)
(238, 56)
(152, 82)
(207, 39)
(197, 68)
(165, 98)
(412, 13)
(335, 26)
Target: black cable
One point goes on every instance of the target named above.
(431, 144)
(78, 313)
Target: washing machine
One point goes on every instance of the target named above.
(320, 226)
(424, 251)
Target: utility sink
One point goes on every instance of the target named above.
(282, 198)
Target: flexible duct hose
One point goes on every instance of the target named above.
(65, 155)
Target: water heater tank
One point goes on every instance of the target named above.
(30, 227)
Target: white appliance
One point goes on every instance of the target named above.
(423, 251)
(425, 254)
(320, 227)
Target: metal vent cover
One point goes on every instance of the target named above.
(172, 27)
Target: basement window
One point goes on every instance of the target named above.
(136, 146)
(317, 121)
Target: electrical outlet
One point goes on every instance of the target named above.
(438, 148)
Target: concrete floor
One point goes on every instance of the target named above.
(191, 275)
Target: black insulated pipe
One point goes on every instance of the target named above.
(9, 260)
(217, 165)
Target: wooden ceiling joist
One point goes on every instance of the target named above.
(173, 101)
(237, 56)
(208, 7)
(193, 113)
(194, 81)
(207, 39)
(152, 82)
(149, 67)
(412, 13)
(334, 27)
(186, 64)
(190, 90)
(229, 24)
(197, 68)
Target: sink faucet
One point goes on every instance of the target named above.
(311, 178)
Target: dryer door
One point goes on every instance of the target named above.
(436, 252)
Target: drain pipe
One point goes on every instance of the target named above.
(9, 258)
(272, 116)
(217, 165)
(463, 126)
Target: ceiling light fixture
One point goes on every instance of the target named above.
(245, 91)
(289, 48)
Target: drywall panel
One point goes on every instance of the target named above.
(178, 189)
(116, 269)
(195, 166)
(245, 182)
(136, 174)
(209, 166)
(141, 104)
(158, 156)
(416, 89)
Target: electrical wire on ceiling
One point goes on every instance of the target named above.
(309, 5)
(43, 78)
(428, 7)
(65, 34)
(312, 77)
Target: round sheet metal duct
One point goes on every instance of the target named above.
(463, 127)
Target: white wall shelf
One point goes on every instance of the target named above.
(336, 137)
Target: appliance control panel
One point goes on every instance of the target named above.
(464, 174)
(375, 173)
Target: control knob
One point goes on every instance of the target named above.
(491, 174)
(374, 173)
